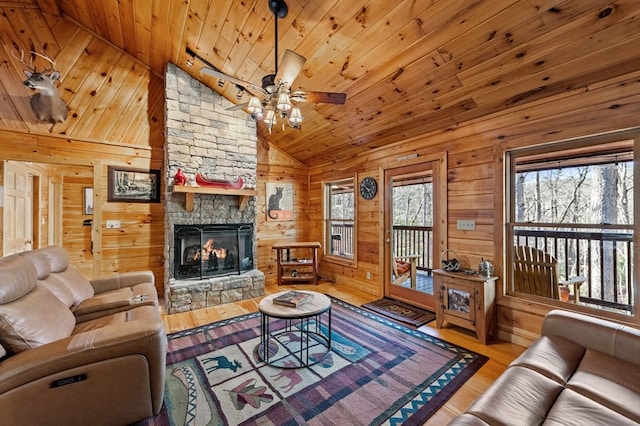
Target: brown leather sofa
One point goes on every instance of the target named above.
(581, 371)
(57, 370)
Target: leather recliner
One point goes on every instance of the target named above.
(55, 370)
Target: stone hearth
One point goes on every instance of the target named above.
(187, 295)
(202, 136)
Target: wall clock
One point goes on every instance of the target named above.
(368, 188)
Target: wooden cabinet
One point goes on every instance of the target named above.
(301, 268)
(467, 301)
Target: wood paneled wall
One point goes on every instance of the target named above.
(275, 166)
(77, 236)
(475, 151)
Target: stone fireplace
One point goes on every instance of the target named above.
(210, 242)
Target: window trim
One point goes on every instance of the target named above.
(510, 154)
(326, 256)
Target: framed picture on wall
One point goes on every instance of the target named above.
(133, 185)
(279, 201)
(87, 200)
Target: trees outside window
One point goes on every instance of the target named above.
(574, 200)
(339, 218)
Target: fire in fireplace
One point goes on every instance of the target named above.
(212, 250)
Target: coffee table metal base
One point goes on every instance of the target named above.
(301, 339)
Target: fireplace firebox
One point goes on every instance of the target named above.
(203, 251)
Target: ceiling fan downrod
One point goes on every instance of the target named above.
(280, 10)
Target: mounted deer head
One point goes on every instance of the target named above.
(47, 104)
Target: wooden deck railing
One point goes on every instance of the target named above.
(341, 239)
(408, 240)
(415, 240)
(604, 258)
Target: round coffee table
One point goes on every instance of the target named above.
(288, 335)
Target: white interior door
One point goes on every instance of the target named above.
(18, 209)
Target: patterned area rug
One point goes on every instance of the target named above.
(401, 311)
(378, 372)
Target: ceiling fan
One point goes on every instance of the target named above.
(274, 96)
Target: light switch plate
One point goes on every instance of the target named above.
(113, 224)
(466, 225)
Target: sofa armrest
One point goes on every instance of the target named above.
(124, 279)
(597, 334)
(144, 336)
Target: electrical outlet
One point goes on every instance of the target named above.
(113, 224)
(368, 275)
(466, 225)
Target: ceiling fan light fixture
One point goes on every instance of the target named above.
(270, 118)
(254, 107)
(296, 116)
(284, 104)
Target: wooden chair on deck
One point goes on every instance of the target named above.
(536, 272)
(404, 267)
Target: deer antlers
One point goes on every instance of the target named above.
(30, 65)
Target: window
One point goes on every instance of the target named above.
(339, 218)
(573, 201)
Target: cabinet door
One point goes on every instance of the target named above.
(459, 299)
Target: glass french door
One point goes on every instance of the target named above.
(409, 233)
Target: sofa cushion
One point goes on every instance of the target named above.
(17, 278)
(35, 319)
(39, 261)
(554, 357)
(43, 268)
(402, 266)
(573, 409)
(520, 396)
(609, 381)
(617, 340)
(78, 285)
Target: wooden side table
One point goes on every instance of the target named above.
(467, 301)
(306, 269)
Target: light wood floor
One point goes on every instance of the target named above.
(500, 353)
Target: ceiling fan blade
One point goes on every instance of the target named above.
(223, 76)
(319, 97)
(290, 67)
(238, 107)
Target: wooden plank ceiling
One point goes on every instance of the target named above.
(409, 67)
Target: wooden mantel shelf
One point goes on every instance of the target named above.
(189, 191)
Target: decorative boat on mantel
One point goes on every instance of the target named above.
(202, 180)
